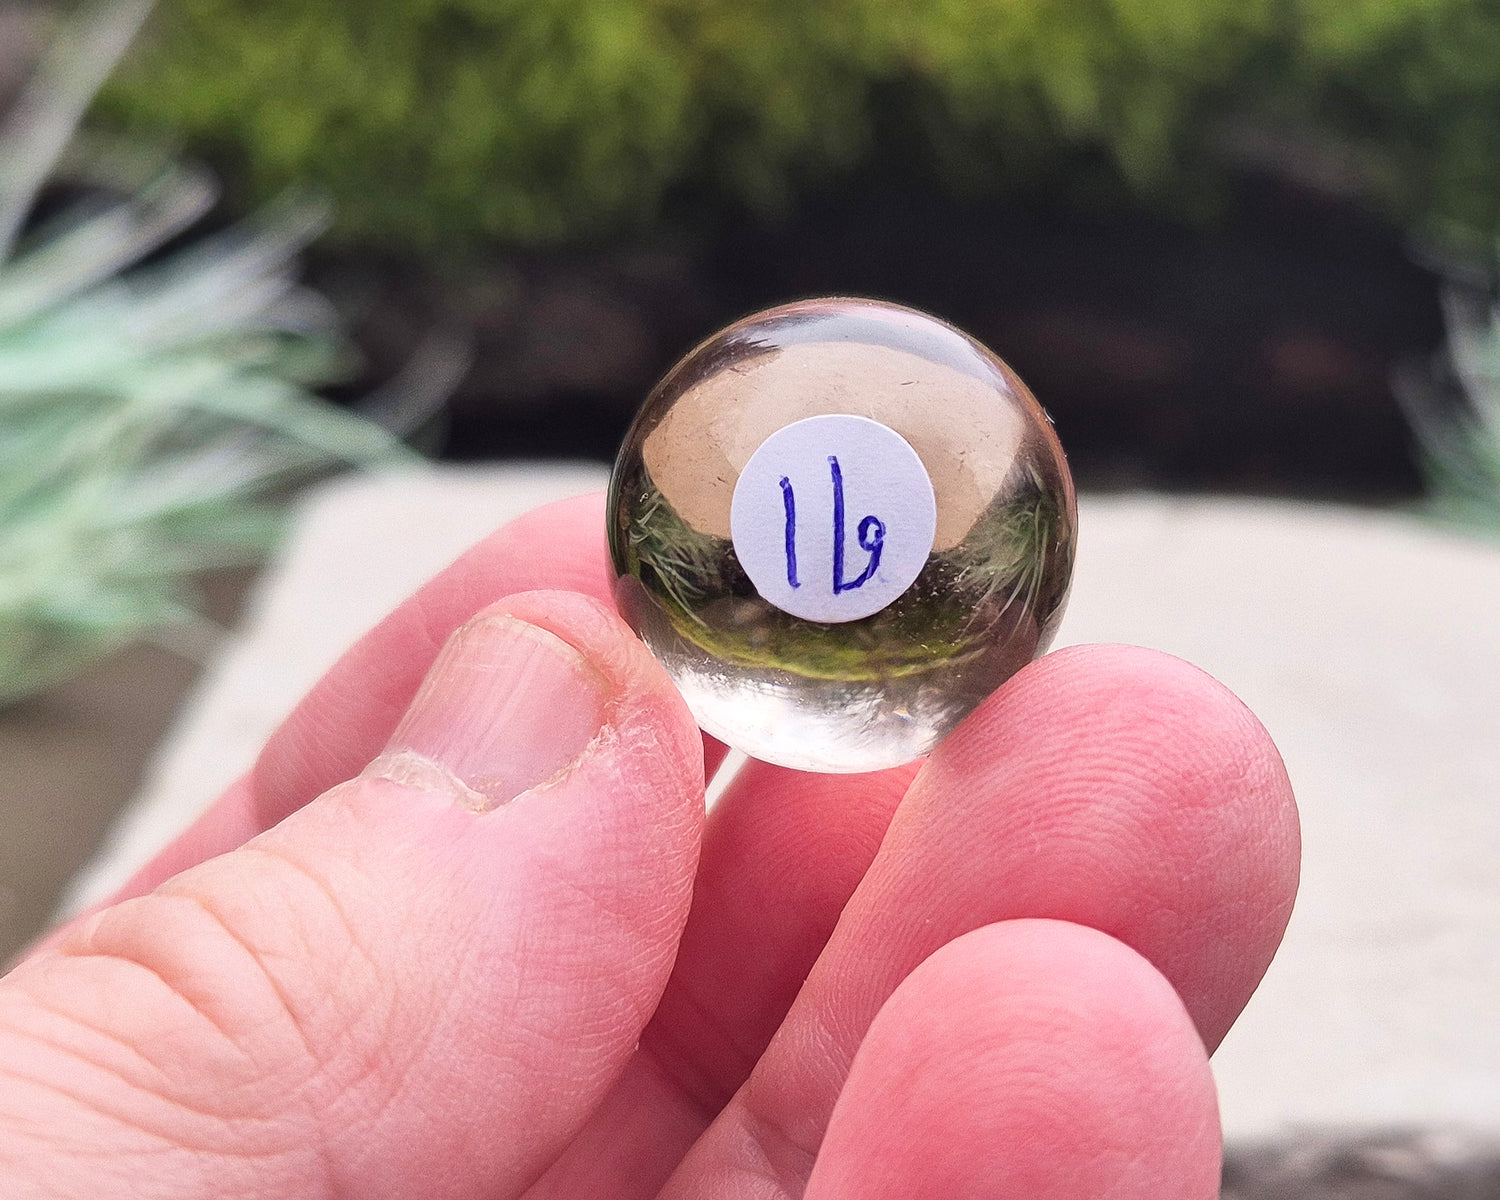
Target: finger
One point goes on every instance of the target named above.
(352, 710)
(1108, 786)
(1030, 1058)
(419, 984)
(782, 853)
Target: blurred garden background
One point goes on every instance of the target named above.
(1204, 232)
(1189, 225)
(1240, 246)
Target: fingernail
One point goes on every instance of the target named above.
(506, 707)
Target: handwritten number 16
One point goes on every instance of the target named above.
(871, 534)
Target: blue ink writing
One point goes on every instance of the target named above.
(789, 502)
(871, 541)
(870, 534)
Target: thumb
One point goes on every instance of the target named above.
(420, 983)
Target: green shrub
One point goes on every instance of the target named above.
(439, 122)
(1417, 83)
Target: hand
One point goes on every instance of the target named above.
(490, 948)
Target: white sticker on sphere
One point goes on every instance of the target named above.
(833, 517)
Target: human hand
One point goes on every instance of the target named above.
(491, 948)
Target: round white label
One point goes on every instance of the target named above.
(833, 517)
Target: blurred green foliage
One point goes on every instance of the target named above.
(440, 122)
(156, 402)
(1454, 409)
(1410, 88)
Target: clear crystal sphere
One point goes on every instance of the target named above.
(841, 524)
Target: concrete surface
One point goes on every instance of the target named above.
(1368, 643)
(73, 756)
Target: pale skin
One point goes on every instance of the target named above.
(481, 942)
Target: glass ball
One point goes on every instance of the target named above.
(840, 525)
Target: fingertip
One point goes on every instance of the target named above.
(1131, 763)
(645, 711)
(1135, 702)
(1027, 1058)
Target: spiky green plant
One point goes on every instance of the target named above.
(1454, 409)
(154, 403)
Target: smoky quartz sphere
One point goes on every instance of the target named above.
(823, 597)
